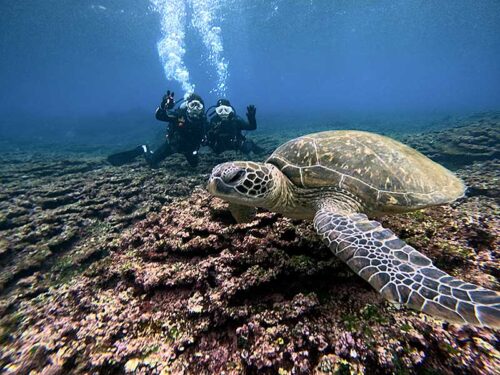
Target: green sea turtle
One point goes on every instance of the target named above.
(335, 178)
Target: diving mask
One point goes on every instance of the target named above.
(223, 111)
(194, 108)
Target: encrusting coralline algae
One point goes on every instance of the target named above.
(183, 289)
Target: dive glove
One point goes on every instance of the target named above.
(168, 101)
(251, 110)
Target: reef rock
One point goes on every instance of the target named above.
(112, 270)
(472, 139)
(187, 290)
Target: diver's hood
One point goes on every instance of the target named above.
(223, 102)
(194, 96)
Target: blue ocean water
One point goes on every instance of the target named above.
(100, 67)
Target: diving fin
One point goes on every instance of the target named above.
(125, 157)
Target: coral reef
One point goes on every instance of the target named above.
(112, 270)
(57, 213)
(472, 139)
(188, 290)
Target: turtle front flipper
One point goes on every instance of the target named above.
(242, 214)
(402, 274)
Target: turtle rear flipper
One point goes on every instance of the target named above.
(401, 273)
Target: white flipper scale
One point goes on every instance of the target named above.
(401, 273)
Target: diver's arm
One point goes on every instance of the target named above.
(211, 123)
(252, 122)
(209, 131)
(164, 111)
(165, 115)
(243, 125)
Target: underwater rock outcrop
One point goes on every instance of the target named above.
(111, 270)
(58, 213)
(187, 290)
(472, 139)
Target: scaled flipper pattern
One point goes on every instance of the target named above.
(402, 274)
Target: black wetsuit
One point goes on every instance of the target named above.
(225, 134)
(184, 135)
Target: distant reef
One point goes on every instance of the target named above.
(471, 139)
(112, 270)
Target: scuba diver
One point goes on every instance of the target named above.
(225, 129)
(184, 135)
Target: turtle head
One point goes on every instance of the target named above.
(245, 183)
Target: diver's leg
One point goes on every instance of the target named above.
(154, 158)
(249, 146)
(125, 157)
(192, 158)
(219, 148)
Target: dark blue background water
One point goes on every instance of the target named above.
(95, 63)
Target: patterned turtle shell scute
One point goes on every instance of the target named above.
(380, 171)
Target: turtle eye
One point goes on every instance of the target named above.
(234, 176)
(237, 176)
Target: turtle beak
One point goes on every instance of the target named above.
(212, 181)
(221, 182)
(215, 183)
(212, 186)
(218, 188)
